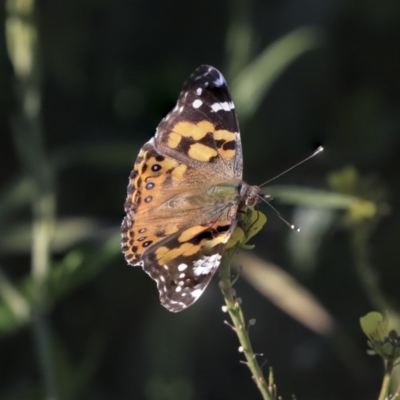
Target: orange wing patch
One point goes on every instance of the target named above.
(202, 152)
(199, 147)
(145, 185)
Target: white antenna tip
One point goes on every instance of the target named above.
(319, 150)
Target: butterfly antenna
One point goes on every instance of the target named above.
(291, 226)
(319, 150)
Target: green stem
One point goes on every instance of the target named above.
(239, 324)
(386, 381)
(23, 49)
(366, 274)
(43, 222)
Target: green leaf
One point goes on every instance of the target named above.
(253, 82)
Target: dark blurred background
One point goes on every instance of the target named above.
(83, 84)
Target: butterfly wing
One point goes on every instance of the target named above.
(203, 130)
(172, 228)
(173, 233)
(184, 263)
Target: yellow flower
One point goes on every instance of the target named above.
(383, 340)
(250, 222)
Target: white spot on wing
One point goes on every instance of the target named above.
(128, 221)
(199, 91)
(180, 109)
(182, 275)
(206, 265)
(197, 293)
(220, 81)
(198, 263)
(182, 267)
(226, 106)
(178, 289)
(197, 103)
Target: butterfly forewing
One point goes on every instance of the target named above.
(202, 130)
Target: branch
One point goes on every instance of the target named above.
(239, 325)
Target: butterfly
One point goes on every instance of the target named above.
(185, 192)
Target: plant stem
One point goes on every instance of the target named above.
(43, 222)
(386, 380)
(366, 273)
(23, 49)
(239, 324)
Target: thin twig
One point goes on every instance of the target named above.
(237, 316)
(386, 380)
(368, 278)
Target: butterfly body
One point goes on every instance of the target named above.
(185, 191)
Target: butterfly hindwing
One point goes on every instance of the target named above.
(183, 264)
(164, 196)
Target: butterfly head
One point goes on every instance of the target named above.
(250, 195)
